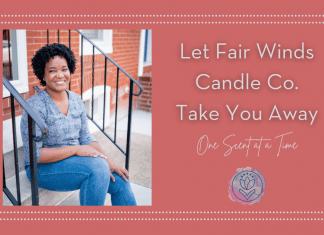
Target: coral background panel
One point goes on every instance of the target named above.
(183, 180)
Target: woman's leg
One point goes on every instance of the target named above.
(121, 192)
(90, 175)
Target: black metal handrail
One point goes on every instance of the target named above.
(130, 101)
(42, 125)
(32, 120)
(112, 61)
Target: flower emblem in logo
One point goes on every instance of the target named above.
(247, 186)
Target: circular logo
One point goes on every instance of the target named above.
(247, 186)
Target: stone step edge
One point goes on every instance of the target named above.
(25, 191)
(25, 186)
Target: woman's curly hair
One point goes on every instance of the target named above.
(47, 52)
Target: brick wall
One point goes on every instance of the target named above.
(125, 53)
(144, 102)
(36, 39)
(147, 70)
(6, 104)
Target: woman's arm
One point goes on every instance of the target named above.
(50, 155)
(114, 167)
(88, 140)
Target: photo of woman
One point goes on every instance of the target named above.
(70, 158)
(87, 102)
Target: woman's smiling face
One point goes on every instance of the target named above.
(57, 74)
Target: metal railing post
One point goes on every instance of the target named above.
(10, 68)
(33, 119)
(70, 49)
(93, 65)
(131, 94)
(104, 103)
(4, 174)
(116, 109)
(14, 136)
(129, 125)
(33, 161)
(82, 68)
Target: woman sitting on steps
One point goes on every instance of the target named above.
(70, 158)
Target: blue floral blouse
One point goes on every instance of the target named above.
(69, 130)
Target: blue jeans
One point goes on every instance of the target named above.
(89, 174)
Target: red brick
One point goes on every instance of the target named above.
(75, 39)
(5, 103)
(30, 40)
(33, 47)
(145, 97)
(31, 86)
(31, 73)
(6, 116)
(145, 79)
(51, 33)
(18, 113)
(31, 33)
(30, 53)
(31, 92)
(6, 111)
(74, 82)
(74, 33)
(40, 40)
(26, 96)
(63, 34)
(145, 106)
(33, 80)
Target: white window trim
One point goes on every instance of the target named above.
(141, 63)
(19, 62)
(106, 44)
(141, 54)
(149, 51)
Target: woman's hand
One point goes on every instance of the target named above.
(87, 151)
(115, 167)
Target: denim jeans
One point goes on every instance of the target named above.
(89, 174)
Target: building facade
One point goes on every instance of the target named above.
(131, 49)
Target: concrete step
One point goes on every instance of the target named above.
(9, 162)
(142, 194)
(45, 197)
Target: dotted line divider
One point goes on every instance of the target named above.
(164, 15)
(161, 212)
(221, 212)
(160, 22)
(161, 219)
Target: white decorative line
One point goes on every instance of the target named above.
(228, 15)
(162, 219)
(162, 212)
(163, 22)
